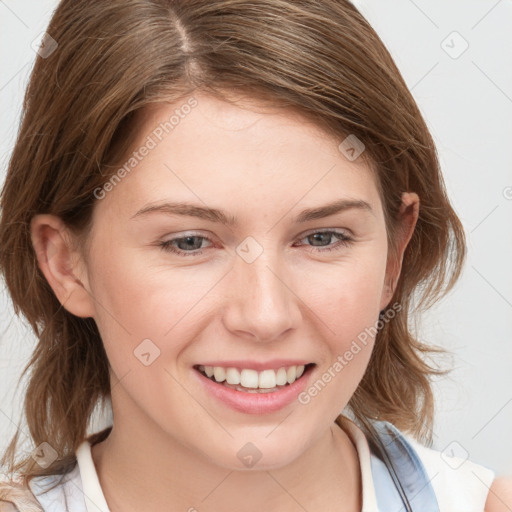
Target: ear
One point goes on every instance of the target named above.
(61, 264)
(408, 216)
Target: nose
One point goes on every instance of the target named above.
(260, 303)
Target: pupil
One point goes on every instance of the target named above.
(188, 242)
(317, 237)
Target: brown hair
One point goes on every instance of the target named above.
(115, 57)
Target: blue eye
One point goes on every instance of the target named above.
(185, 242)
(343, 239)
(181, 245)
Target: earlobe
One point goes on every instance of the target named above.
(61, 264)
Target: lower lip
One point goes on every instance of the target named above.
(256, 403)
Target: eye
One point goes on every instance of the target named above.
(183, 243)
(325, 236)
(191, 245)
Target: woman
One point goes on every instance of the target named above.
(215, 217)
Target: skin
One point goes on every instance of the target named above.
(499, 498)
(172, 443)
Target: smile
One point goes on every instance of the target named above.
(249, 380)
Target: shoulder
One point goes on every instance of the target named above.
(45, 493)
(17, 497)
(500, 495)
(459, 483)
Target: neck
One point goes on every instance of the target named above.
(141, 471)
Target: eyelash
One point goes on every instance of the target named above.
(344, 241)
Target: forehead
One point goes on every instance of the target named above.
(249, 121)
(216, 152)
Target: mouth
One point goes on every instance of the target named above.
(252, 381)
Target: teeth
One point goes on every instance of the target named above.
(291, 374)
(281, 378)
(219, 373)
(267, 379)
(232, 376)
(247, 378)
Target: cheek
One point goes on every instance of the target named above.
(345, 300)
(136, 301)
(125, 304)
(346, 311)
(346, 297)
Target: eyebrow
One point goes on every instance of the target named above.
(220, 216)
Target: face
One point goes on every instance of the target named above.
(253, 274)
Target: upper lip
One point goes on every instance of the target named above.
(274, 364)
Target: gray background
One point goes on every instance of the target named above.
(465, 95)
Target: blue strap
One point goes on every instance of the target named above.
(401, 482)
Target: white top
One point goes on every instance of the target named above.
(460, 485)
